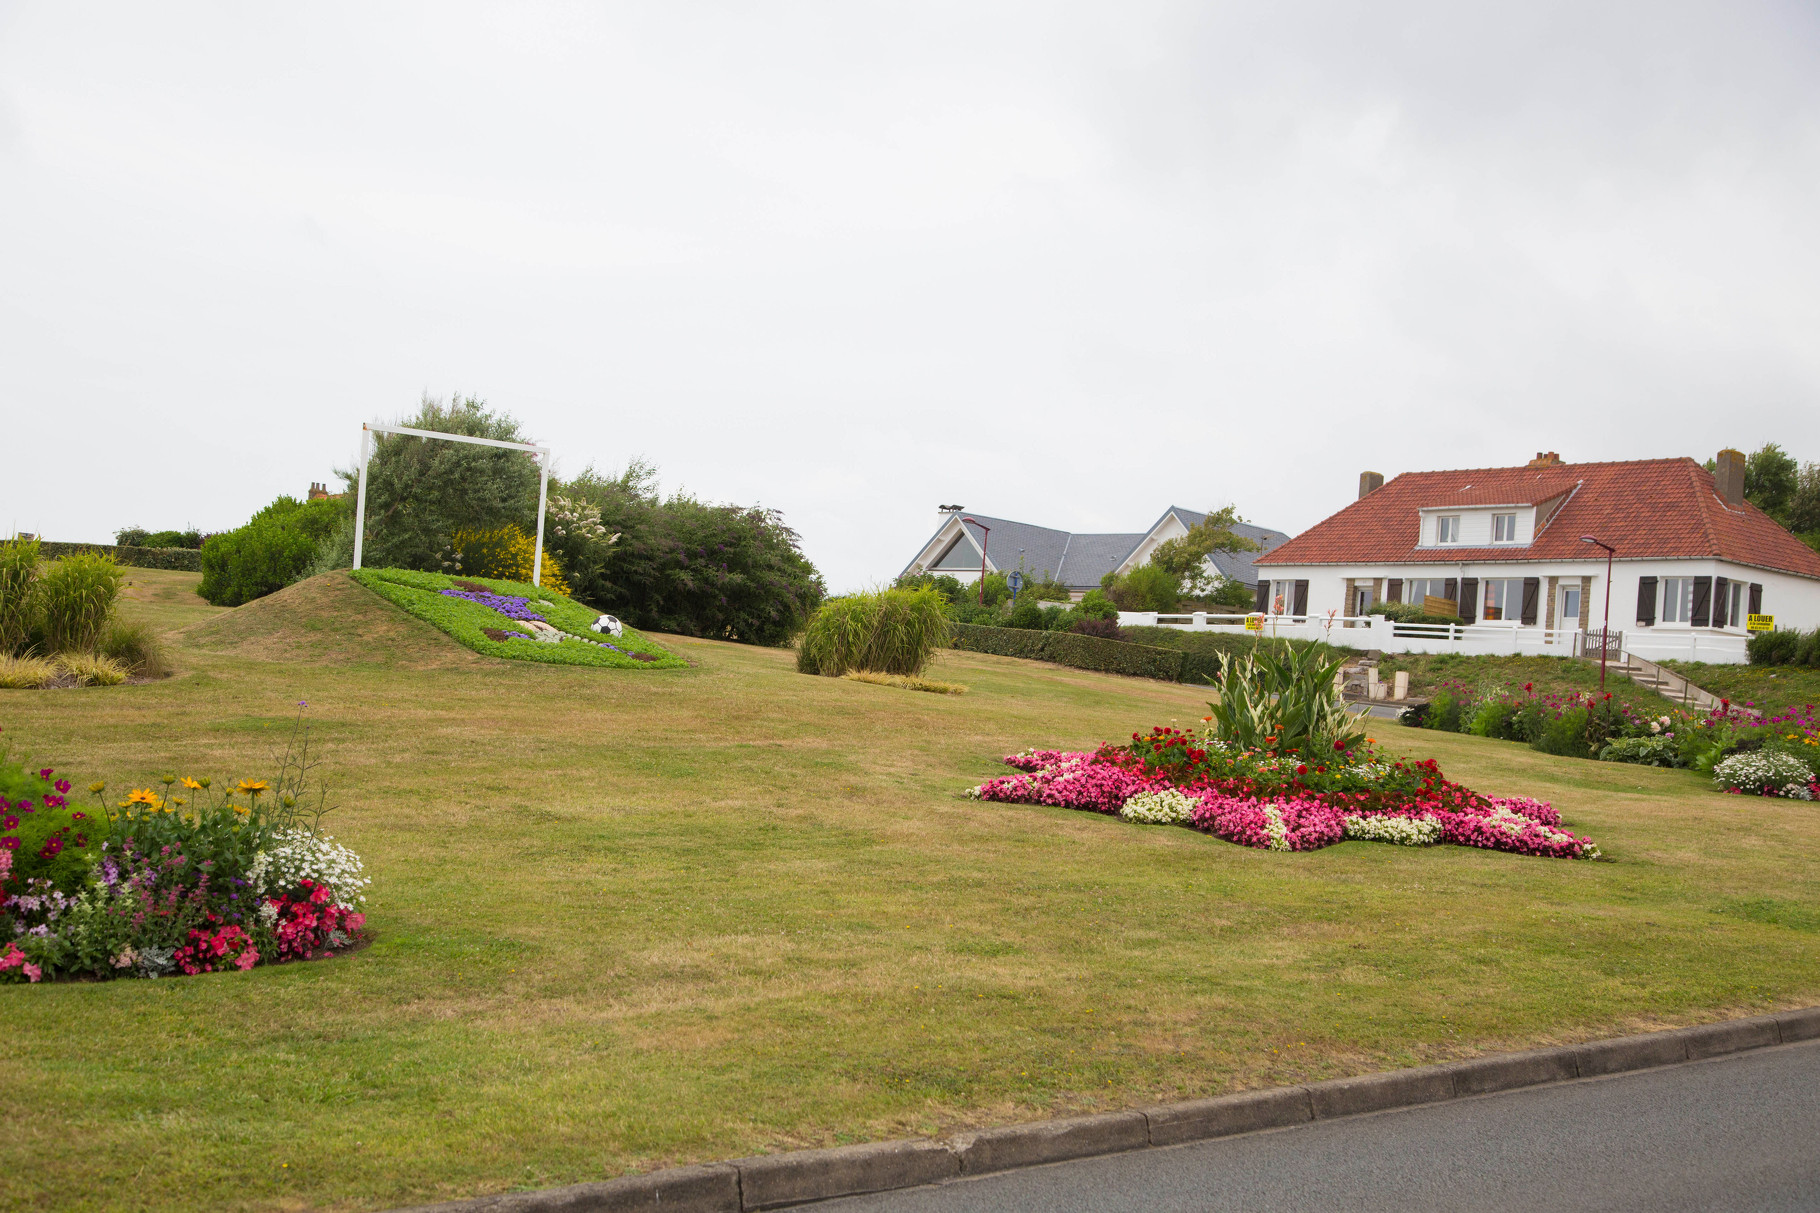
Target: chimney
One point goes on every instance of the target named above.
(1728, 477)
(1545, 459)
(1369, 483)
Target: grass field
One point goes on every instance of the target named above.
(1772, 689)
(630, 920)
(1549, 675)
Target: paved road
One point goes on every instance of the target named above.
(1735, 1134)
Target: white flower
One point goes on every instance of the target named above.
(300, 855)
(1765, 771)
(1421, 831)
(1166, 808)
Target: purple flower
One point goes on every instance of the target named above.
(45, 774)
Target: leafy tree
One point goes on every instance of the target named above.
(1804, 502)
(1185, 557)
(1771, 478)
(274, 548)
(686, 566)
(1149, 587)
(420, 491)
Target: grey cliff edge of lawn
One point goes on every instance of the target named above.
(777, 1181)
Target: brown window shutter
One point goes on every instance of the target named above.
(1393, 590)
(1532, 595)
(1469, 599)
(1264, 596)
(1646, 602)
(1301, 598)
(1703, 602)
(1756, 599)
(1450, 590)
(1722, 602)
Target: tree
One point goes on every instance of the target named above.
(1185, 557)
(420, 491)
(682, 565)
(1771, 477)
(1804, 502)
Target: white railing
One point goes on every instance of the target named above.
(1508, 639)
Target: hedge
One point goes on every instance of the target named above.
(188, 560)
(1069, 649)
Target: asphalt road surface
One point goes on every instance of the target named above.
(1734, 1134)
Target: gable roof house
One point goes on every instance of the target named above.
(1691, 560)
(1077, 561)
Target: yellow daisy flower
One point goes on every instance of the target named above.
(253, 787)
(191, 784)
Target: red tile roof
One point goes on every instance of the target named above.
(1646, 509)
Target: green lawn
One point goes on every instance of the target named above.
(632, 919)
(1429, 672)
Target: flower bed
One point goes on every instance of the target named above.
(189, 878)
(1278, 802)
(514, 620)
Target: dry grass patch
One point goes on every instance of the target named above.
(906, 682)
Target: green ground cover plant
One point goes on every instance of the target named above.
(735, 910)
(432, 597)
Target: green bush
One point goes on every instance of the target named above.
(1001, 642)
(18, 593)
(1565, 734)
(885, 632)
(76, 597)
(271, 551)
(136, 646)
(1446, 712)
(1644, 751)
(1026, 615)
(1791, 647)
(1493, 718)
(1112, 656)
(138, 537)
(1095, 605)
(1148, 587)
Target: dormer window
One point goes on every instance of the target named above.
(1503, 528)
(1447, 529)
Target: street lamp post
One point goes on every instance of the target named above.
(983, 542)
(1605, 635)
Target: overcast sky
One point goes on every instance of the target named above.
(1064, 263)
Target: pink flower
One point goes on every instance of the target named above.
(32, 971)
(246, 960)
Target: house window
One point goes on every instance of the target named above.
(1729, 611)
(1282, 597)
(1415, 590)
(1677, 599)
(1503, 528)
(1503, 599)
(1447, 530)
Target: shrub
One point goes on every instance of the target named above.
(1492, 719)
(1565, 734)
(1112, 656)
(1105, 629)
(271, 551)
(885, 632)
(188, 560)
(1027, 615)
(18, 592)
(1445, 712)
(1095, 605)
(76, 600)
(1283, 699)
(1001, 642)
(1148, 587)
(136, 647)
(503, 553)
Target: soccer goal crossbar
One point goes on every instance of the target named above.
(541, 453)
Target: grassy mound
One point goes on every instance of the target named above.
(485, 630)
(325, 620)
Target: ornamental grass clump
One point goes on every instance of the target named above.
(1284, 701)
(884, 632)
(18, 585)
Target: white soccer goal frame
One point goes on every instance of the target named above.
(366, 450)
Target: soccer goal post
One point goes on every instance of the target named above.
(540, 453)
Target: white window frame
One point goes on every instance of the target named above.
(542, 454)
(1503, 528)
(1682, 601)
(1447, 529)
(1563, 621)
(1486, 594)
(1285, 592)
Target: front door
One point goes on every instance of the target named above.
(1567, 614)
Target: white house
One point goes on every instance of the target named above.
(963, 542)
(1514, 548)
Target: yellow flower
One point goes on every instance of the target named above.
(253, 787)
(191, 784)
(179, 801)
(167, 780)
(241, 809)
(204, 781)
(142, 796)
(97, 788)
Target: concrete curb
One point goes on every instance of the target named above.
(776, 1181)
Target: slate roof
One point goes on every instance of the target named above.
(1080, 561)
(1645, 508)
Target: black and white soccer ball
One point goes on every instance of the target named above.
(608, 624)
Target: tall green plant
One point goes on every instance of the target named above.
(1285, 700)
(18, 591)
(77, 597)
(887, 632)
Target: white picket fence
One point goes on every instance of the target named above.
(1388, 636)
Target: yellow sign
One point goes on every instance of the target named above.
(1760, 623)
(1254, 623)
